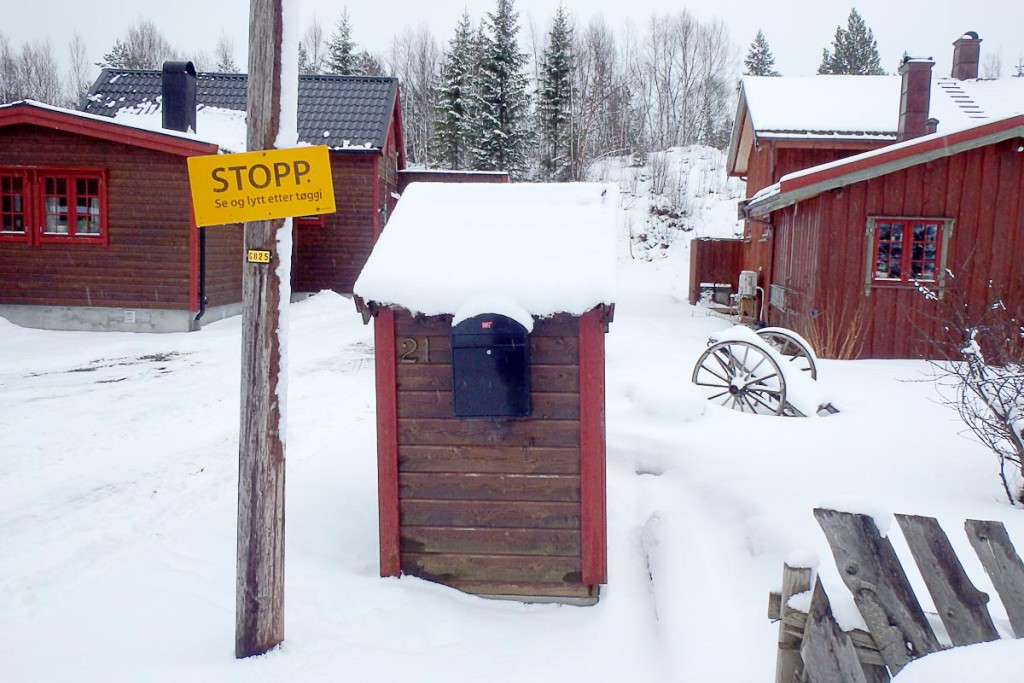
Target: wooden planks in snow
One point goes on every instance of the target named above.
(812, 647)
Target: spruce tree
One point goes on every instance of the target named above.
(452, 129)
(554, 101)
(502, 122)
(760, 61)
(854, 50)
(341, 57)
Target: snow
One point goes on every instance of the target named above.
(824, 104)
(867, 107)
(118, 482)
(222, 127)
(538, 248)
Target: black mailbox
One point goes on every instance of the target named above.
(490, 367)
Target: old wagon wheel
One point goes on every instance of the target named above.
(741, 376)
(792, 346)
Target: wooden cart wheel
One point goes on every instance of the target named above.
(741, 376)
(795, 349)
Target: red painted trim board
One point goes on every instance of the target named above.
(387, 442)
(593, 497)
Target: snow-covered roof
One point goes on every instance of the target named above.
(224, 127)
(520, 250)
(128, 124)
(342, 112)
(842, 106)
(865, 107)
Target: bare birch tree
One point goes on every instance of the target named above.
(415, 60)
(79, 71)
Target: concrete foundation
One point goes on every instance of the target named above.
(98, 319)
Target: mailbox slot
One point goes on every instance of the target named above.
(490, 367)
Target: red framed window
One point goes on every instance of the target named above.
(907, 251)
(72, 206)
(53, 205)
(13, 208)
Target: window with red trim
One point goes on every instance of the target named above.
(13, 208)
(53, 205)
(907, 251)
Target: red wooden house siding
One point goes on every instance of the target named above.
(331, 255)
(769, 161)
(496, 507)
(821, 250)
(151, 253)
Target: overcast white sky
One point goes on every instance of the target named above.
(796, 31)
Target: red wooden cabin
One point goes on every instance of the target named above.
(790, 128)
(96, 228)
(123, 252)
(357, 117)
(503, 505)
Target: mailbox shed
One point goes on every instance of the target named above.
(490, 303)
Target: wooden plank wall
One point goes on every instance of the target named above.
(490, 506)
(146, 264)
(981, 189)
(713, 260)
(331, 256)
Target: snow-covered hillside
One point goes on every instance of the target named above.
(118, 457)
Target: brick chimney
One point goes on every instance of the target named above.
(915, 96)
(966, 56)
(178, 88)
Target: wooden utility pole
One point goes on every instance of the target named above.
(259, 614)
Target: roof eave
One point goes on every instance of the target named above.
(855, 171)
(70, 122)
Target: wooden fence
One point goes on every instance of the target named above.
(814, 649)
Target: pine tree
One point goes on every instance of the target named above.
(854, 50)
(760, 61)
(554, 101)
(342, 58)
(502, 123)
(452, 130)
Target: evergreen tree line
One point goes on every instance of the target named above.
(543, 105)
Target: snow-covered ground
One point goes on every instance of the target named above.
(118, 457)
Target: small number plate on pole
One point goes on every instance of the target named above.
(258, 256)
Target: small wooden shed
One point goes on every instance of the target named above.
(499, 504)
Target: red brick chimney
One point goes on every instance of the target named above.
(966, 56)
(915, 96)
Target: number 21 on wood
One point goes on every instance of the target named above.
(414, 351)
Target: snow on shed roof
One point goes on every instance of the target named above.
(517, 249)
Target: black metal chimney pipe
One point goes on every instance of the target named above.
(178, 87)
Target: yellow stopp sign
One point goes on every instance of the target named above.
(256, 186)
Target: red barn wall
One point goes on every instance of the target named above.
(822, 250)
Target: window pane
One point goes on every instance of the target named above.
(924, 251)
(57, 215)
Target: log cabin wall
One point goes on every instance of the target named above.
(982, 190)
(147, 261)
(330, 256)
(223, 261)
(488, 506)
